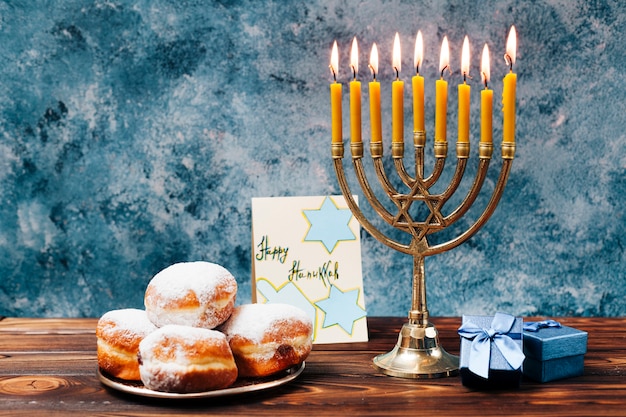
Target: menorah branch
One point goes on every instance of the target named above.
(369, 194)
(337, 153)
(484, 217)
(481, 174)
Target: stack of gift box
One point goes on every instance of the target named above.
(497, 351)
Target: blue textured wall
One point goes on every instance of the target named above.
(134, 133)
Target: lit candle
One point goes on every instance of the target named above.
(418, 85)
(441, 94)
(335, 97)
(464, 95)
(508, 91)
(397, 96)
(486, 100)
(355, 96)
(374, 86)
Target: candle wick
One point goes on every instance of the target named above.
(417, 69)
(464, 78)
(444, 70)
(509, 61)
(333, 71)
(397, 72)
(353, 72)
(373, 72)
(485, 75)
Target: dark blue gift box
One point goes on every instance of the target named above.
(554, 353)
(500, 374)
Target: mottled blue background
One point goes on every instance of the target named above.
(133, 134)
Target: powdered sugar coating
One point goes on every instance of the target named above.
(178, 358)
(118, 334)
(128, 320)
(187, 336)
(200, 277)
(199, 294)
(254, 321)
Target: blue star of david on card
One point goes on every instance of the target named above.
(328, 225)
(341, 308)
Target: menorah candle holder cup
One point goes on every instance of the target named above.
(418, 353)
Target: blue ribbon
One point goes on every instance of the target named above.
(480, 351)
(534, 326)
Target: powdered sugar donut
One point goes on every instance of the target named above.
(198, 294)
(268, 338)
(186, 359)
(118, 335)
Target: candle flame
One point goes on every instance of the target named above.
(444, 58)
(511, 46)
(397, 59)
(374, 60)
(354, 58)
(334, 61)
(485, 72)
(465, 58)
(419, 51)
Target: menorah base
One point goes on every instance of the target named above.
(418, 355)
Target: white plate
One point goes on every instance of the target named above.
(241, 386)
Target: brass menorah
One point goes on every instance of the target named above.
(418, 353)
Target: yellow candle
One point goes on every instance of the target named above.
(375, 114)
(397, 111)
(464, 113)
(486, 115)
(508, 107)
(335, 98)
(486, 101)
(355, 96)
(355, 111)
(418, 103)
(441, 95)
(441, 108)
(418, 85)
(464, 96)
(374, 91)
(397, 96)
(335, 111)
(508, 91)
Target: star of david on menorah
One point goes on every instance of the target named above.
(418, 353)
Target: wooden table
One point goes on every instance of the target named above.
(48, 367)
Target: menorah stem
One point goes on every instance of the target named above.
(419, 311)
(419, 141)
(417, 353)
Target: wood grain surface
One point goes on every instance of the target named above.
(48, 367)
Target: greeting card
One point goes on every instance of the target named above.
(307, 252)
